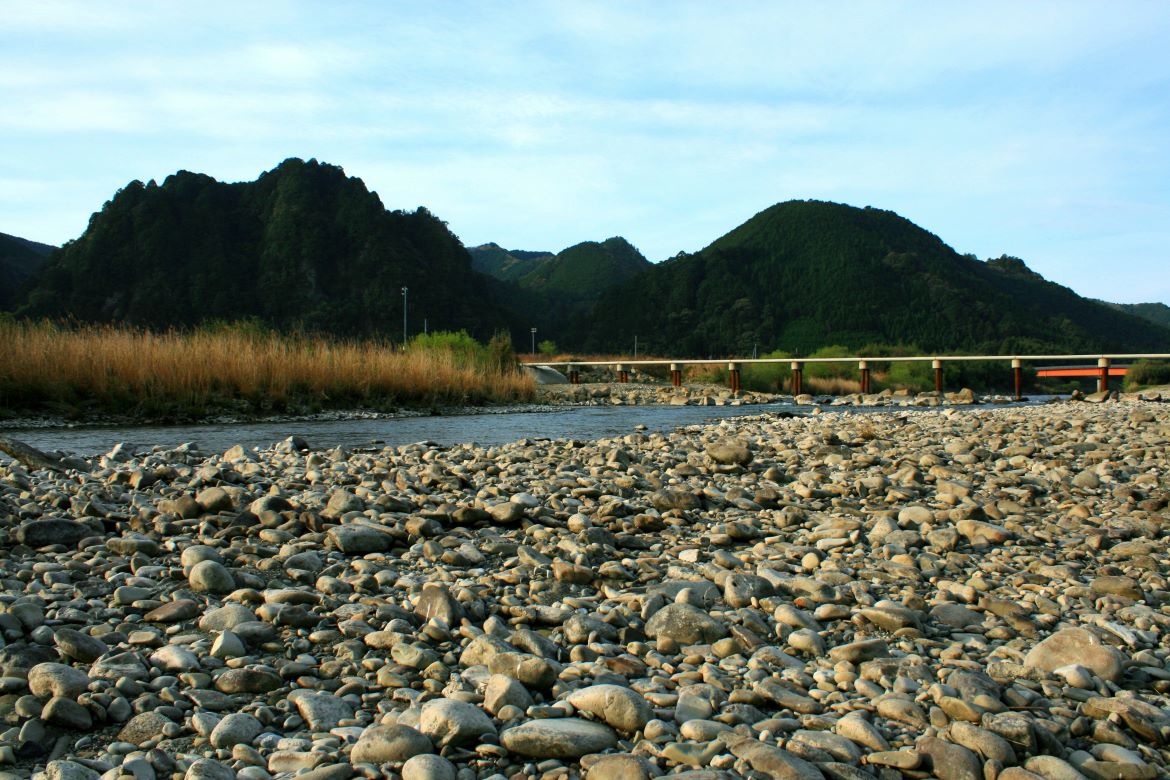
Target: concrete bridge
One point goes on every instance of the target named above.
(1103, 369)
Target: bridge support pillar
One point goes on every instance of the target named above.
(623, 374)
(1103, 376)
(797, 378)
(864, 367)
(1017, 378)
(936, 364)
(733, 370)
(574, 375)
(675, 375)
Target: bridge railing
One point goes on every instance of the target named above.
(622, 367)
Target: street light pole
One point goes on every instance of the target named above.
(404, 289)
(534, 342)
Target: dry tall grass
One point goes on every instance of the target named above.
(46, 367)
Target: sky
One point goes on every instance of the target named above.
(1037, 129)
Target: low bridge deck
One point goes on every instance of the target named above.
(1103, 370)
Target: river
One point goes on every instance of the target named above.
(589, 422)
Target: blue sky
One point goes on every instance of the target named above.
(1035, 129)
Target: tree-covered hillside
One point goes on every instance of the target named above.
(302, 246)
(547, 291)
(804, 274)
(1157, 313)
(19, 259)
(506, 264)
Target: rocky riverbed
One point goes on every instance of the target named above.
(969, 595)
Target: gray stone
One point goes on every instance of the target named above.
(359, 539)
(69, 770)
(558, 738)
(1076, 646)
(238, 728)
(50, 679)
(452, 722)
(79, 646)
(621, 708)
(389, 743)
(211, 577)
(322, 711)
(143, 727)
(428, 767)
(209, 769)
(685, 625)
(52, 530)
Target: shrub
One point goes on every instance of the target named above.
(1147, 373)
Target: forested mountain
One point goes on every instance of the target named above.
(505, 264)
(1157, 313)
(19, 259)
(804, 274)
(305, 246)
(547, 291)
(302, 246)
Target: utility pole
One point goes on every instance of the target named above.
(534, 342)
(404, 289)
(635, 346)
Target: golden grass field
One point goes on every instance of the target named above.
(46, 367)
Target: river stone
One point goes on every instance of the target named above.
(729, 452)
(452, 722)
(775, 762)
(950, 761)
(142, 727)
(359, 539)
(214, 499)
(69, 770)
(621, 766)
(211, 577)
(174, 658)
(209, 769)
(79, 646)
(621, 708)
(558, 738)
(112, 667)
(226, 617)
(502, 691)
(861, 650)
(1076, 646)
(51, 679)
(340, 502)
(173, 612)
(389, 743)
(66, 713)
(322, 711)
(685, 625)
(428, 766)
(247, 681)
(52, 530)
(238, 728)
(668, 498)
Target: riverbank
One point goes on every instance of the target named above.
(91, 372)
(971, 593)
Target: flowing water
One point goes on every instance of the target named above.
(588, 422)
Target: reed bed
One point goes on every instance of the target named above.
(45, 367)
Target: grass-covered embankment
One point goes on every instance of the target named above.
(81, 371)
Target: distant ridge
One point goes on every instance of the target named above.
(806, 274)
(1157, 313)
(306, 247)
(547, 291)
(303, 246)
(19, 260)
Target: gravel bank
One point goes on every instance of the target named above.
(970, 595)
